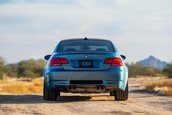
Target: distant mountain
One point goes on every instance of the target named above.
(153, 62)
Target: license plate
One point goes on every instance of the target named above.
(86, 64)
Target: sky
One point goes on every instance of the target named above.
(138, 28)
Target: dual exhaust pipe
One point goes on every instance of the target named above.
(101, 87)
(71, 87)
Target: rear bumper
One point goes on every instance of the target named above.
(65, 86)
(112, 79)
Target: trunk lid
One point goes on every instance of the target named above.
(85, 61)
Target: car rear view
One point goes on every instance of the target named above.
(85, 66)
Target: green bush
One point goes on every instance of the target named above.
(26, 68)
(136, 69)
(3, 68)
(168, 71)
(30, 68)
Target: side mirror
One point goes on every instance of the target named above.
(47, 57)
(123, 57)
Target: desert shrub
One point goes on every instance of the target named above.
(136, 69)
(3, 68)
(168, 71)
(26, 68)
(30, 68)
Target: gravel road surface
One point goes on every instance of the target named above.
(139, 102)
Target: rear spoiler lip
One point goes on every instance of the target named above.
(62, 53)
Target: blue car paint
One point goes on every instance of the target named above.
(112, 76)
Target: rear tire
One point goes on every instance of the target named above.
(121, 95)
(50, 95)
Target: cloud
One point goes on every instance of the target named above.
(132, 25)
(66, 2)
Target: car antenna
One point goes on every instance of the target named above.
(85, 38)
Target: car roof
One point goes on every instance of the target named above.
(78, 39)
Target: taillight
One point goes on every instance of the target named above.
(58, 61)
(113, 61)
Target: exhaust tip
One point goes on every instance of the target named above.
(71, 87)
(74, 87)
(100, 87)
(97, 88)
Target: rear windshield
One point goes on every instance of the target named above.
(85, 46)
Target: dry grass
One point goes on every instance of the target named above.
(21, 87)
(28, 86)
(163, 87)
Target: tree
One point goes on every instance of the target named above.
(30, 68)
(168, 70)
(25, 68)
(3, 68)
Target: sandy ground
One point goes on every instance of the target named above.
(139, 102)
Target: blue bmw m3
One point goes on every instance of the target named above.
(85, 66)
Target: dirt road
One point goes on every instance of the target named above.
(139, 102)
